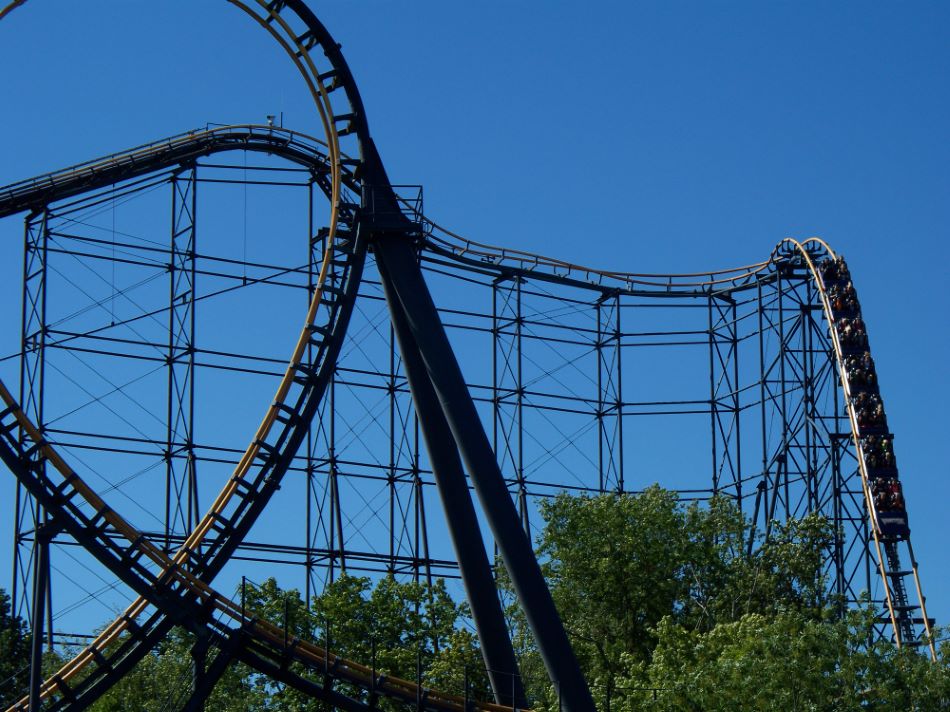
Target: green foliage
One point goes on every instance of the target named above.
(14, 653)
(394, 625)
(789, 661)
(618, 565)
(668, 610)
(163, 680)
(666, 606)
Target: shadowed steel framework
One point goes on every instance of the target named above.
(428, 365)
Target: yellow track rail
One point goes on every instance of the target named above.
(859, 449)
(273, 23)
(175, 578)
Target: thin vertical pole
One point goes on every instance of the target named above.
(601, 407)
(465, 688)
(309, 463)
(391, 474)
(194, 506)
(40, 579)
(618, 334)
(783, 357)
(736, 403)
(32, 384)
(713, 409)
(762, 389)
(522, 487)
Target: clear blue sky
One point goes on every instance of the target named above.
(660, 136)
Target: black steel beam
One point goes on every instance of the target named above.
(460, 514)
(397, 257)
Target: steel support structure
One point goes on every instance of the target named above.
(508, 391)
(608, 346)
(31, 588)
(182, 508)
(724, 396)
(809, 462)
(802, 460)
(562, 388)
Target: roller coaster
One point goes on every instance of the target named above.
(427, 365)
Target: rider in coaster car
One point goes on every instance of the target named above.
(851, 332)
(878, 451)
(869, 410)
(887, 494)
(829, 270)
(860, 369)
(834, 270)
(843, 298)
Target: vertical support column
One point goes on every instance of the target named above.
(810, 406)
(200, 688)
(181, 484)
(736, 404)
(28, 515)
(337, 543)
(608, 349)
(839, 589)
(422, 559)
(724, 395)
(782, 399)
(324, 520)
(508, 387)
(310, 464)
(763, 488)
(391, 475)
(408, 535)
(40, 593)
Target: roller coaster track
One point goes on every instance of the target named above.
(889, 526)
(175, 590)
(169, 585)
(109, 654)
(308, 44)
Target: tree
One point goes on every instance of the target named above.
(666, 605)
(668, 609)
(789, 661)
(406, 629)
(392, 625)
(618, 565)
(14, 653)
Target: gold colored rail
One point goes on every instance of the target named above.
(174, 577)
(300, 56)
(859, 449)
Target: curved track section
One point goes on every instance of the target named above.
(448, 245)
(171, 586)
(320, 63)
(870, 434)
(35, 194)
(873, 440)
(261, 469)
(176, 588)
